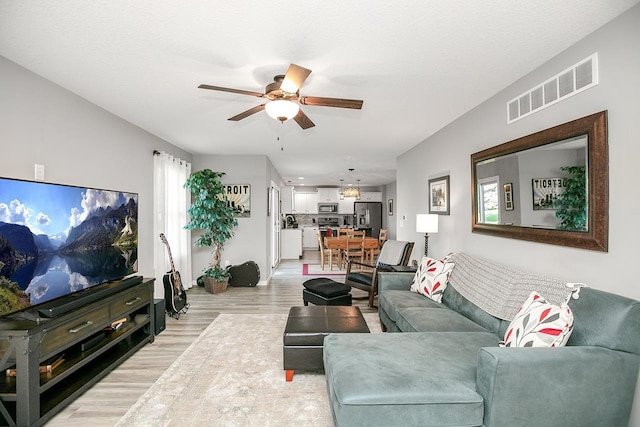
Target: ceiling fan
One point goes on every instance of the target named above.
(283, 97)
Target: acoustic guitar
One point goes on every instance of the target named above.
(174, 293)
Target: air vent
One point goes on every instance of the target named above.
(569, 82)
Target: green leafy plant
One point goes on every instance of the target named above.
(572, 203)
(217, 273)
(210, 213)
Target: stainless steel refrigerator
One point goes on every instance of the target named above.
(368, 217)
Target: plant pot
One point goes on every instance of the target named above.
(214, 287)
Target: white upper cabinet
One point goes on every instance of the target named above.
(286, 195)
(345, 207)
(372, 196)
(306, 203)
(328, 195)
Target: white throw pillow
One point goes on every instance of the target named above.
(539, 324)
(431, 278)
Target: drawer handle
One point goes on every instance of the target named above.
(133, 301)
(81, 327)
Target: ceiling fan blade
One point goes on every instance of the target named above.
(319, 101)
(303, 120)
(247, 113)
(296, 75)
(226, 89)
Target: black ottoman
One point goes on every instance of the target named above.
(305, 331)
(323, 291)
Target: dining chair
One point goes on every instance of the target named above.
(344, 231)
(360, 234)
(328, 255)
(393, 253)
(372, 253)
(355, 247)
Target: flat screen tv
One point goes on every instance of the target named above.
(60, 240)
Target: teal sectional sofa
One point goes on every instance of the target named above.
(445, 367)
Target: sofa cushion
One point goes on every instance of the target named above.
(393, 300)
(420, 319)
(431, 278)
(384, 379)
(455, 301)
(539, 324)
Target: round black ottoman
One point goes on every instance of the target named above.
(324, 291)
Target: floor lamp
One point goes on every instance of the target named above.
(426, 223)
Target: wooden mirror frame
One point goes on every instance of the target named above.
(597, 236)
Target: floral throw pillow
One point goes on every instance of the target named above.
(431, 278)
(539, 324)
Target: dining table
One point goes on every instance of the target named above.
(344, 243)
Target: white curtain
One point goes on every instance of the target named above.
(170, 204)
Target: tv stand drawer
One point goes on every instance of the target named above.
(60, 336)
(130, 301)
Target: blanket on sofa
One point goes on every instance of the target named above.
(500, 290)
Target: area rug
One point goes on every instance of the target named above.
(316, 270)
(232, 375)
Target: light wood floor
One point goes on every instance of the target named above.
(106, 402)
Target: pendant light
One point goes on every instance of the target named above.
(352, 191)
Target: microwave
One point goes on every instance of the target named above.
(327, 208)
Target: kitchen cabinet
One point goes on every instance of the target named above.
(291, 243)
(306, 203)
(328, 195)
(370, 196)
(345, 207)
(310, 238)
(286, 195)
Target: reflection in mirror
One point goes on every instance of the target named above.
(536, 183)
(549, 187)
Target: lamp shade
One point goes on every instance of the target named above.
(281, 109)
(426, 223)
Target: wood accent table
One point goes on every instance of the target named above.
(305, 331)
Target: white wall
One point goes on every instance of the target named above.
(252, 238)
(485, 126)
(79, 144)
(390, 221)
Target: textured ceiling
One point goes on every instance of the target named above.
(418, 65)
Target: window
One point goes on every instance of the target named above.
(489, 200)
(171, 201)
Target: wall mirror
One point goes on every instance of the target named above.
(550, 187)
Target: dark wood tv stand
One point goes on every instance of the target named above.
(81, 338)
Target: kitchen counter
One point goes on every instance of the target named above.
(310, 238)
(290, 243)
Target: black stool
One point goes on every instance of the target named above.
(323, 291)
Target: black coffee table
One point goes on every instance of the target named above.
(305, 331)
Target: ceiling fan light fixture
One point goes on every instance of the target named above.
(282, 109)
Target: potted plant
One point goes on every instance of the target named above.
(211, 213)
(572, 203)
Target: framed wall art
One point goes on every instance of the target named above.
(508, 196)
(390, 207)
(546, 192)
(239, 198)
(439, 195)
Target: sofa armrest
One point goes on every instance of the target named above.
(575, 386)
(394, 280)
